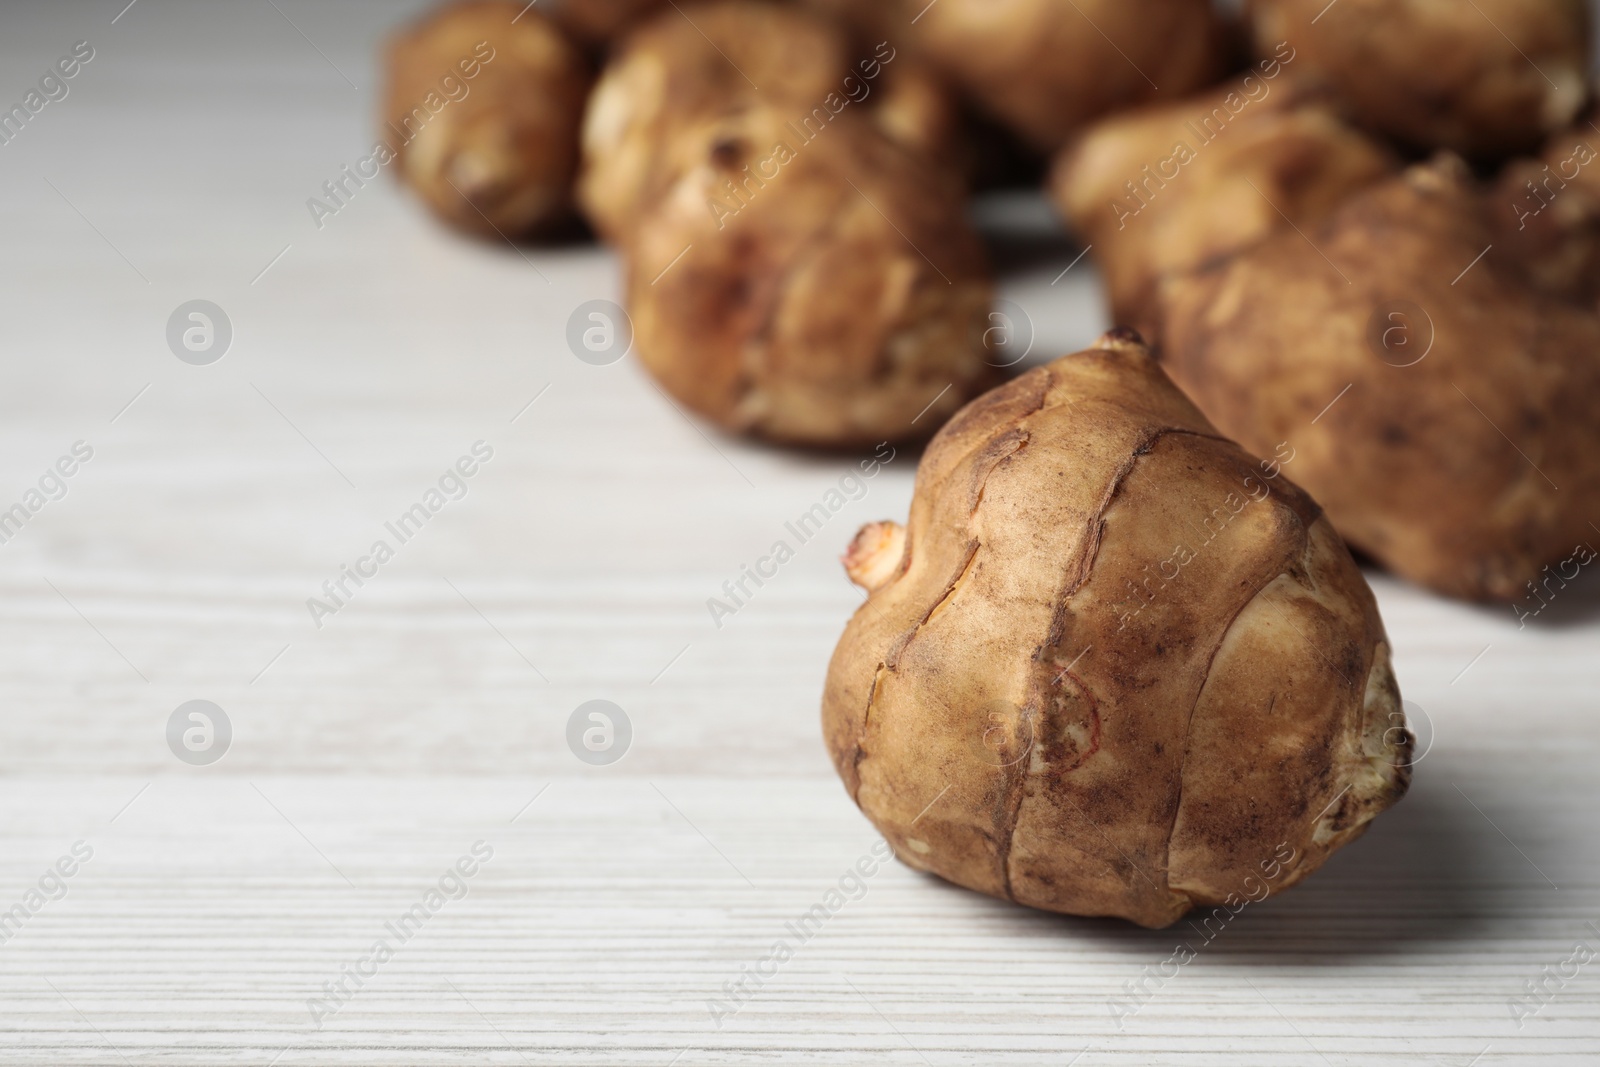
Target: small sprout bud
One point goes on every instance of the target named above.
(874, 555)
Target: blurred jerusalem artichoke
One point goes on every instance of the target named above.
(799, 264)
(687, 66)
(1284, 263)
(1486, 78)
(1045, 68)
(487, 100)
(1464, 456)
(1163, 189)
(823, 293)
(1546, 211)
(600, 23)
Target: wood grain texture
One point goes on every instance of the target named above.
(614, 910)
(373, 752)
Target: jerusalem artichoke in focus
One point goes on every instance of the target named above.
(1113, 665)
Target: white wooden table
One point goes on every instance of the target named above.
(430, 713)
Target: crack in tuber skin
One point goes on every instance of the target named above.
(1087, 759)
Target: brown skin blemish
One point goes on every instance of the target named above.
(728, 153)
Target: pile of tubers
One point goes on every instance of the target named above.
(1117, 662)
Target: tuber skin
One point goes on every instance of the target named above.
(1546, 211)
(1161, 190)
(912, 100)
(500, 160)
(799, 265)
(1485, 79)
(600, 23)
(1463, 451)
(1258, 269)
(916, 109)
(1033, 705)
(1045, 68)
(838, 302)
(685, 67)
